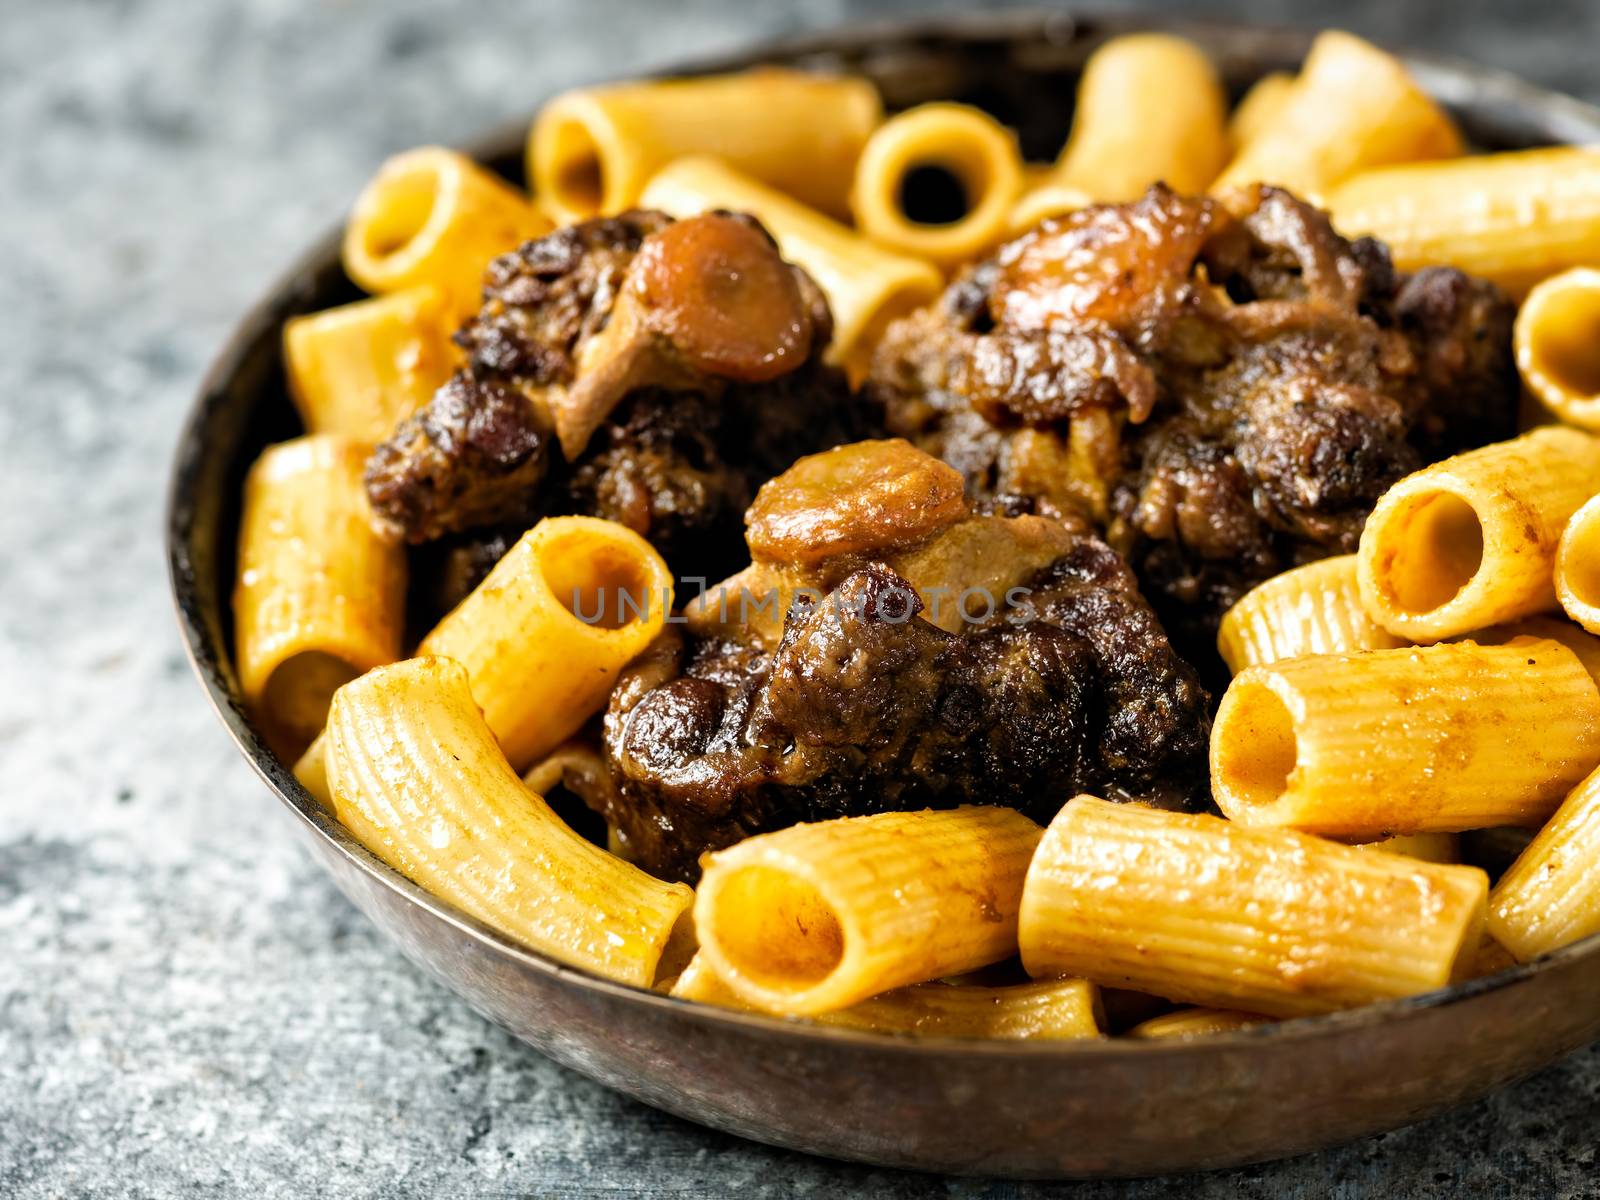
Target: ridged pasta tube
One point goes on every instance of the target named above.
(1516, 218)
(433, 216)
(1150, 110)
(1550, 897)
(1189, 1023)
(1578, 566)
(867, 286)
(1557, 339)
(1353, 107)
(1471, 541)
(1204, 911)
(593, 150)
(818, 917)
(1044, 1010)
(320, 592)
(1418, 740)
(360, 369)
(1259, 107)
(417, 777)
(964, 148)
(1314, 609)
(546, 634)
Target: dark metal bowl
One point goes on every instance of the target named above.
(1002, 1108)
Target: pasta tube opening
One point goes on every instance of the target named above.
(1578, 567)
(777, 930)
(608, 585)
(1558, 345)
(939, 181)
(414, 195)
(577, 181)
(1257, 759)
(1438, 552)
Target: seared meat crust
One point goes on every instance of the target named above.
(1223, 387)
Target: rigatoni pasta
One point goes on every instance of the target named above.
(1259, 107)
(1516, 218)
(1188, 1023)
(1314, 609)
(1557, 341)
(320, 592)
(1043, 1010)
(434, 217)
(1352, 108)
(967, 160)
(1127, 133)
(360, 369)
(593, 150)
(1578, 566)
(815, 918)
(417, 776)
(1417, 740)
(1471, 541)
(544, 637)
(867, 286)
(1550, 897)
(1208, 912)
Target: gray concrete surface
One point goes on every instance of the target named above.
(186, 1005)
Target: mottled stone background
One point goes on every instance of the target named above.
(186, 1006)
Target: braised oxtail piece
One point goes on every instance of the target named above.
(893, 648)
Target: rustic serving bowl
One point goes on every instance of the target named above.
(1000, 1108)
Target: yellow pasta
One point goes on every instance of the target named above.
(360, 369)
(320, 593)
(867, 286)
(1585, 645)
(1204, 911)
(1578, 566)
(1044, 1010)
(544, 637)
(593, 150)
(433, 216)
(1427, 739)
(1353, 107)
(1189, 1023)
(417, 777)
(1516, 218)
(818, 917)
(963, 157)
(1471, 541)
(1259, 107)
(1558, 345)
(1430, 847)
(1550, 897)
(1046, 201)
(1314, 609)
(1150, 110)
(1492, 956)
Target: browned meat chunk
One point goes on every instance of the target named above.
(867, 700)
(1224, 388)
(648, 371)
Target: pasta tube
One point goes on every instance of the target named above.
(1189, 1023)
(815, 918)
(1045, 1010)
(546, 634)
(432, 216)
(593, 150)
(1259, 107)
(938, 181)
(1578, 566)
(1353, 107)
(320, 595)
(1516, 218)
(360, 369)
(1550, 897)
(1585, 645)
(1314, 609)
(1430, 847)
(1428, 739)
(1558, 350)
(1150, 110)
(417, 778)
(1471, 541)
(867, 286)
(1203, 911)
